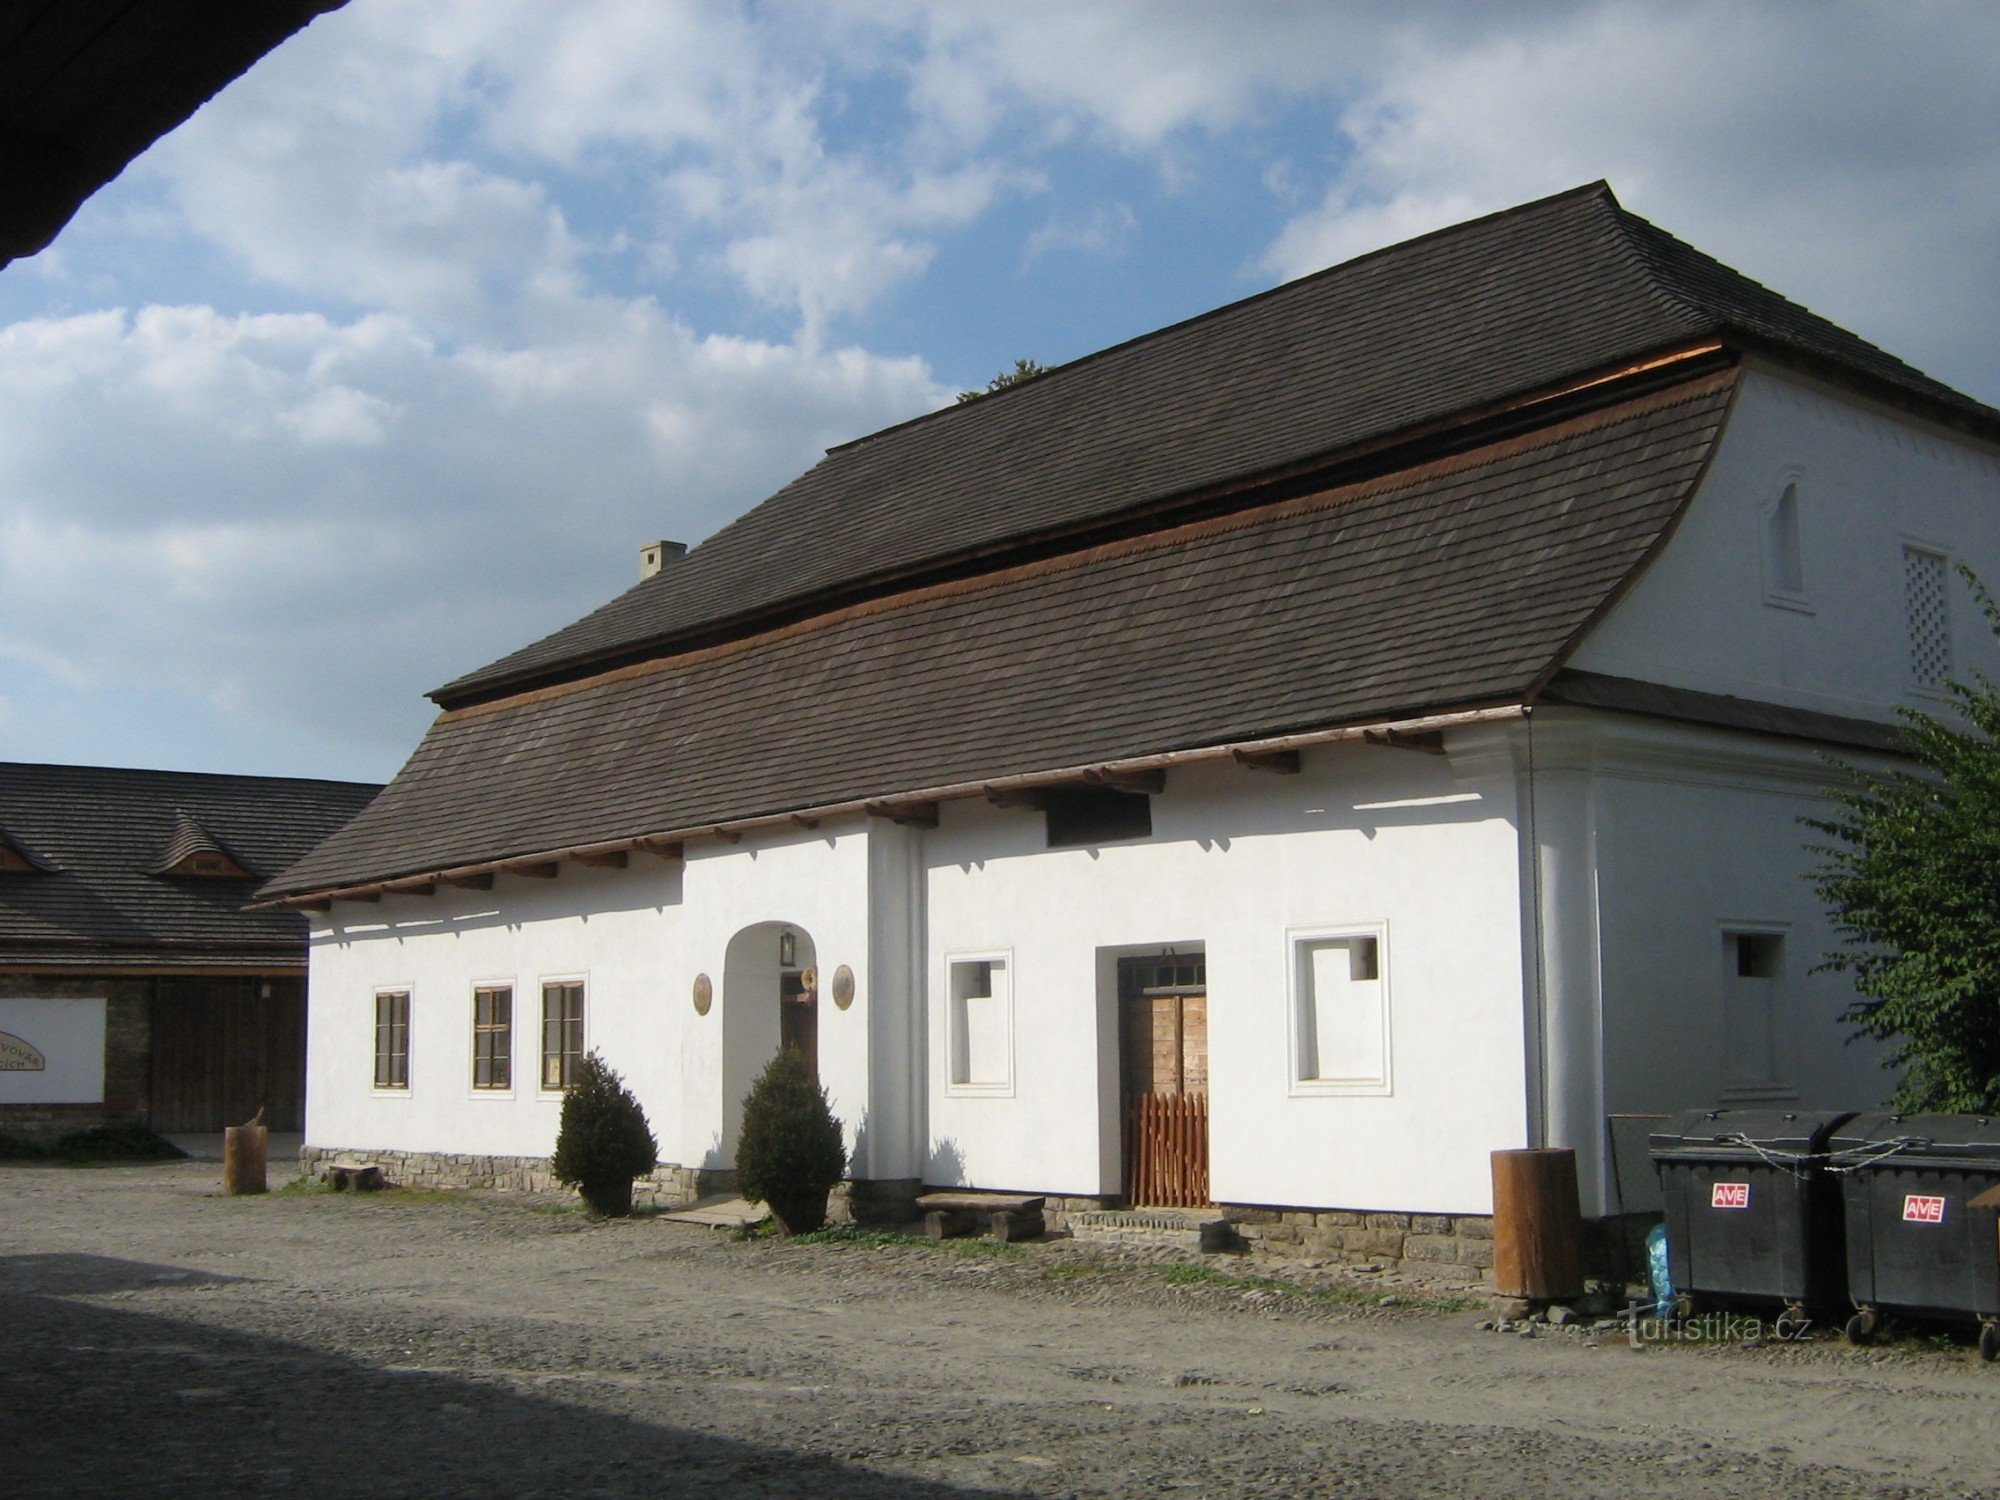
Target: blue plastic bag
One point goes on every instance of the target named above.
(1657, 1275)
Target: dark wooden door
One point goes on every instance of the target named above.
(1163, 1032)
(798, 1015)
(224, 1049)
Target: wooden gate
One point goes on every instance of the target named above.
(1163, 1021)
(223, 1049)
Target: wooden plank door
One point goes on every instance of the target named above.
(1163, 1026)
(223, 1049)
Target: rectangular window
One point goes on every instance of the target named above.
(1340, 1005)
(493, 1037)
(1753, 969)
(392, 1039)
(1927, 616)
(562, 1033)
(982, 1022)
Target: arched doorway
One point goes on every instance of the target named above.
(770, 1000)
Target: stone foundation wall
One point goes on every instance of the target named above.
(666, 1186)
(1441, 1247)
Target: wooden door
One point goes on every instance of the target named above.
(1163, 1027)
(798, 1015)
(224, 1049)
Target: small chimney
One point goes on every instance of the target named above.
(656, 555)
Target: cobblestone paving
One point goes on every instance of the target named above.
(156, 1339)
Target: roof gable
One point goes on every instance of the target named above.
(1390, 344)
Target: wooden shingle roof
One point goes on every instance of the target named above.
(102, 837)
(1459, 582)
(1390, 344)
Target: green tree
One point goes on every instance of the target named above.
(603, 1141)
(1912, 882)
(1024, 371)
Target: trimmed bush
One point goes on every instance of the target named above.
(603, 1141)
(791, 1153)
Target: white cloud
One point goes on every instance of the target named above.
(1106, 230)
(514, 218)
(1824, 151)
(306, 523)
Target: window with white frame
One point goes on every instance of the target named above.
(562, 1033)
(981, 1021)
(493, 1037)
(1753, 1011)
(392, 1039)
(1784, 558)
(1340, 1012)
(1927, 616)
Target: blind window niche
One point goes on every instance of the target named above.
(1753, 1013)
(1340, 1012)
(981, 1022)
(1784, 558)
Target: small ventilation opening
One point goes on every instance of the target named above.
(1926, 611)
(1096, 815)
(1759, 955)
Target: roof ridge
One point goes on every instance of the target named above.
(225, 776)
(1599, 187)
(1624, 222)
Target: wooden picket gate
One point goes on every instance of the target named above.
(1166, 1149)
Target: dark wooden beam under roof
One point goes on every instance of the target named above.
(87, 85)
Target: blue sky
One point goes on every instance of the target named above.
(388, 361)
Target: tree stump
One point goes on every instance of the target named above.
(1537, 1225)
(245, 1151)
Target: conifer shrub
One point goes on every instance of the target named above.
(791, 1153)
(603, 1141)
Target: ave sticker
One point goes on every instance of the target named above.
(1729, 1195)
(1920, 1208)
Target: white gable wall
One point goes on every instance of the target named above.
(1869, 479)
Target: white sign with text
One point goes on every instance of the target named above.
(67, 1036)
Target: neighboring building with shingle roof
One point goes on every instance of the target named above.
(1279, 759)
(128, 961)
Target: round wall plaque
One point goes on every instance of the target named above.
(843, 986)
(704, 994)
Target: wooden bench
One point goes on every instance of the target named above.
(361, 1177)
(1006, 1216)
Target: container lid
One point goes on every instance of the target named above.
(1734, 1133)
(1971, 1137)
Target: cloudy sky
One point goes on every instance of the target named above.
(389, 360)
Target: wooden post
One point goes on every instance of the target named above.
(245, 1149)
(1537, 1225)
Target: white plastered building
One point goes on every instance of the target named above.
(1275, 762)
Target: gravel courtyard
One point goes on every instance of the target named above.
(156, 1338)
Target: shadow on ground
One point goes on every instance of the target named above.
(97, 1399)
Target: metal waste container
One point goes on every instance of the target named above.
(1750, 1215)
(1915, 1243)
